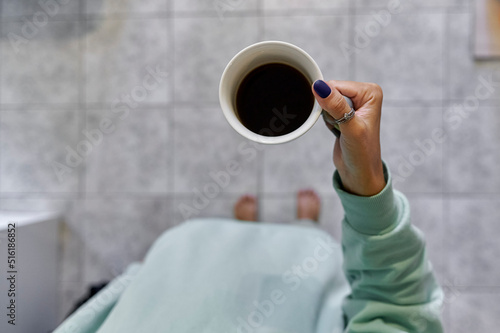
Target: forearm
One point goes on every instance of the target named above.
(393, 287)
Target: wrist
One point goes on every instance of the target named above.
(366, 183)
(372, 215)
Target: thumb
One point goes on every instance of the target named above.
(332, 101)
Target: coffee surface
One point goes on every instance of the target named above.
(274, 99)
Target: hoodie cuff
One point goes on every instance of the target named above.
(373, 215)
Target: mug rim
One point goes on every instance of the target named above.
(245, 132)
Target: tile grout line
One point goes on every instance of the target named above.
(351, 17)
(489, 196)
(472, 23)
(82, 195)
(261, 20)
(186, 14)
(259, 188)
(181, 14)
(445, 204)
(172, 113)
(445, 86)
(477, 289)
(146, 106)
(171, 110)
(82, 99)
(80, 112)
(1, 93)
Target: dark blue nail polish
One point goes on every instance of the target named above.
(322, 89)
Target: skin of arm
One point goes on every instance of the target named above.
(393, 288)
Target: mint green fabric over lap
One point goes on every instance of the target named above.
(217, 275)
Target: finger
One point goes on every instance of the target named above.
(359, 92)
(330, 99)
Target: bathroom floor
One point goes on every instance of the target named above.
(109, 112)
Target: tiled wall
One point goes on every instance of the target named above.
(87, 67)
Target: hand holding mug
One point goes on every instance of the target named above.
(357, 154)
(357, 151)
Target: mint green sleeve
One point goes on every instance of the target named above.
(393, 288)
(90, 316)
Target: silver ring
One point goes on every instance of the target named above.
(347, 116)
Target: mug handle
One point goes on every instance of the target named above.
(330, 120)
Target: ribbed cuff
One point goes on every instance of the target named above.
(369, 215)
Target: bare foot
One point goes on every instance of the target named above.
(308, 205)
(245, 208)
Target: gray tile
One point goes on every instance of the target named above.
(278, 209)
(445, 312)
(109, 7)
(465, 74)
(136, 157)
(427, 215)
(192, 207)
(306, 162)
(221, 7)
(119, 232)
(127, 62)
(203, 47)
(410, 149)
(300, 4)
(473, 240)
(318, 36)
(395, 59)
(473, 153)
(210, 157)
(42, 66)
(283, 209)
(39, 11)
(475, 312)
(32, 142)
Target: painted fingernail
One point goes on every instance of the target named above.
(322, 89)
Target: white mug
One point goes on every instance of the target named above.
(252, 57)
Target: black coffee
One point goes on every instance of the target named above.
(274, 99)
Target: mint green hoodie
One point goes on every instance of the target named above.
(217, 275)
